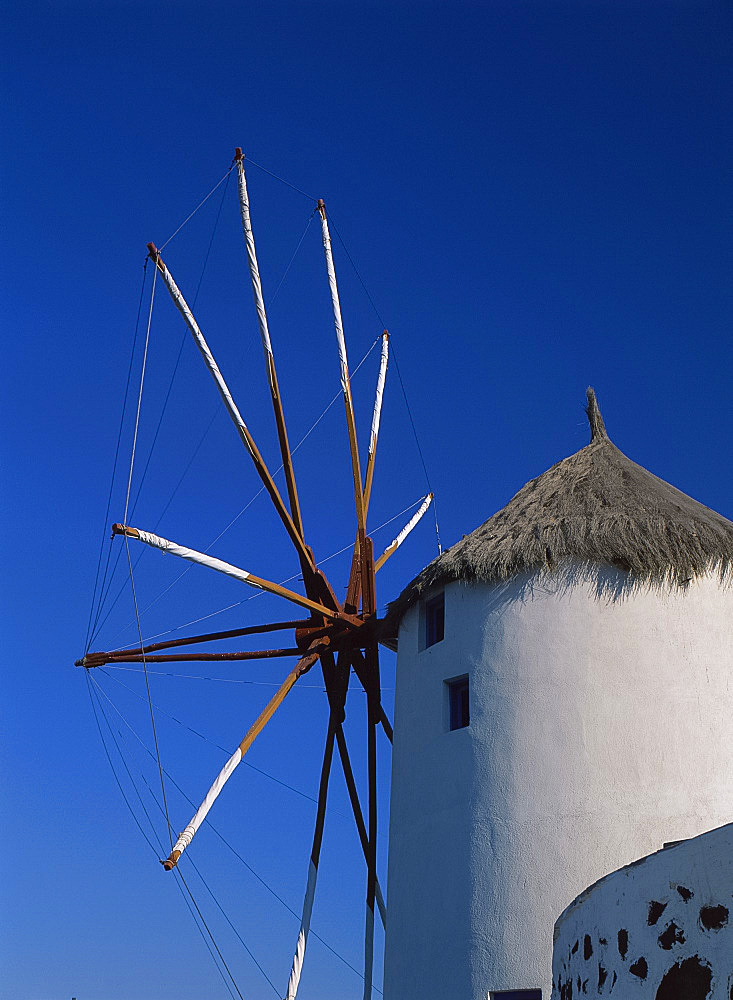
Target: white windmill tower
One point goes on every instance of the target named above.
(563, 707)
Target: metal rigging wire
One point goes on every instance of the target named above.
(237, 604)
(132, 812)
(104, 594)
(214, 830)
(233, 520)
(114, 473)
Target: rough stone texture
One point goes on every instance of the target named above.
(692, 959)
(600, 729)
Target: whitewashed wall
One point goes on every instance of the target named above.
(600, 729)
(660, 929)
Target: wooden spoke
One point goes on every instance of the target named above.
(259, 301)
(395, 543)
(386, 724)
(302, 666)
(234, 633)
(358, 815)
(345, 379)
(258, 582)
(336, 678)
(372, 663)
(296, 536)
(258, 654)
(374, 434)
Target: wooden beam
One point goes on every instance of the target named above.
(258, 654)
(244, 576)
(259, 301)
(344, 366)
(296, 537)
(301, 667)
(189, 640)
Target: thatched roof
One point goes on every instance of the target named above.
(595, 508)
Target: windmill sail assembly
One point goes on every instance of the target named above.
(562, 693)
(343, 636)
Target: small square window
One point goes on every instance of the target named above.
(434, 620)
(458, 712)
(515, 995)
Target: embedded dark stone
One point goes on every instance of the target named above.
(690, 979)
(672, 934)
(602, 941)
(623, 942)
(656, 909)
(686, 894)
(639, 968)
(613, 982)
(587, 947)
(712, 918)
(602, 976)
(574, 948)
(585, 986)
(566, 990)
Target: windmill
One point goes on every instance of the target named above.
(341, 636)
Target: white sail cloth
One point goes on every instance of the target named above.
(337, 321)
(254, 269)
(396, 542)
(380, 393)
(187, 836)
(208, 357)
(305, 923)
(200, 558)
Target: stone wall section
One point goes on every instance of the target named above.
(661, 928)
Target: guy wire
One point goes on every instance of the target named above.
(132, 812)
(114, 473)
(150, 697)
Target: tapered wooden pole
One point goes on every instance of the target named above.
(255, 654)
(259, 301)
(302, 666)
(376, 417)
(154, 647)
(344, 365)
(244, 433)
(336, 678)
(258, 582)
(373, 701)
(396, 542)
(358, 815)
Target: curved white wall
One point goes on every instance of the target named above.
(659, 929)
(600, 729)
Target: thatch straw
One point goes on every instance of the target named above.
(596, 508)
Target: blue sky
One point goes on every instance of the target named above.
(536, 197)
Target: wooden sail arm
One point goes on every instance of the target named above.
(344, 366)
(358, 815)
(304, 552)
(371, 659)
(100, 659)
(396, 542)
(376, 417)
(201, 559)
(259, 301)
(302, 666)
(362, 673)
(355, 581)
(189, 640)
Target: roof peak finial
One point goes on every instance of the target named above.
(597, 426)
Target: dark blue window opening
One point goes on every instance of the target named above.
(516, 995)
(459, 717)
(434, 620)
